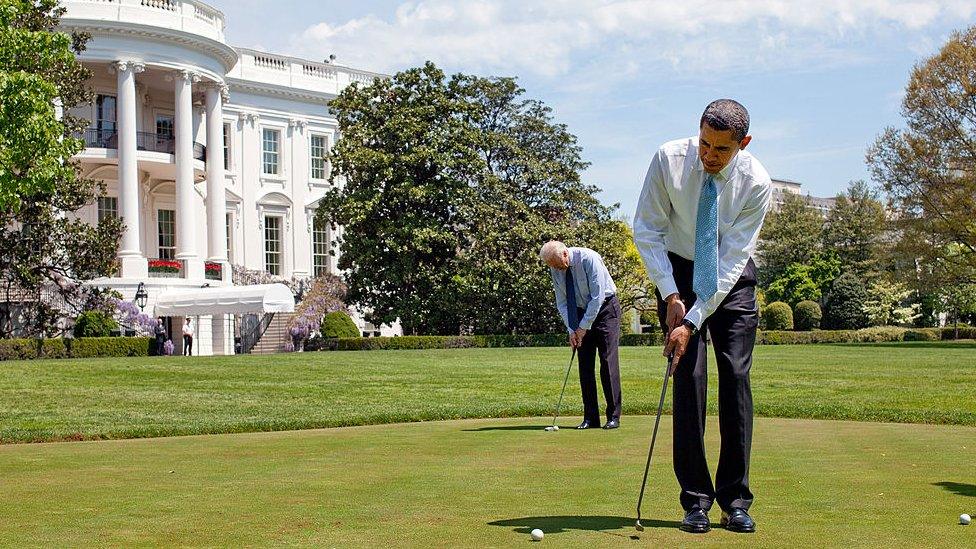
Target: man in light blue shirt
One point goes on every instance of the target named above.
(592, 318)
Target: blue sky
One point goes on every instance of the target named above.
(820, 79)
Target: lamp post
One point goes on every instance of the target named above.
(141, 296)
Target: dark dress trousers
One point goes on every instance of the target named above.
(602, 338)
(732, 329)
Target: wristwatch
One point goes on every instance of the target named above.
(690, 325)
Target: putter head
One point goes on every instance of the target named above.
(552, 428)
(639, 526)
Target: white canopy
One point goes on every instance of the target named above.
(257, 298)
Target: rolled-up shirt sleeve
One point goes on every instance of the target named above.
(651, 223)
(734, 251)
(560, 297)
(594, 268)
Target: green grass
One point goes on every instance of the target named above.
(484, 483)
(143, 397)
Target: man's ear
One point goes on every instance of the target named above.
(745, 141)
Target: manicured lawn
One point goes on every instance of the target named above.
(139, 397)
(484, 483)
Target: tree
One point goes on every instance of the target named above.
(844, 304)
(449, 188)
(45, 252)
(802, 282)
(888, 303)
(855, 229)
(928, 169)
(790, 234)
(614, 241)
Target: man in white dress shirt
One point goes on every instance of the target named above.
(697, 223)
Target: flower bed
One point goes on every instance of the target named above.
(165, 268)
(213, 270)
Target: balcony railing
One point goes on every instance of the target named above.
(145, 141)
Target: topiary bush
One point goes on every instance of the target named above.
(807, 316)
(339, 324)
(778, 316)
(88, 347)
(844, 305)
(94, 324)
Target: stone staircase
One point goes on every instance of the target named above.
(275, 336)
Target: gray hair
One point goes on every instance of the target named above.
(727, 114)
(553, 248)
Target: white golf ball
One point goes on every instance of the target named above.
(965, 519)
(537, 535)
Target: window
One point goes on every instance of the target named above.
(108, 207)
(270, 143)
(227, 147)
(317, 154)
(164, 126)
(272, 245)
(166, 227)
(105, 113)
(320, 247)
(230, 238)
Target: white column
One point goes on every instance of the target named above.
(186, 246)
(130, 251)
(216, 195)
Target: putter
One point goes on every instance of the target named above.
(555, 427)
(650, 451)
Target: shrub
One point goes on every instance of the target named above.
(339, 324)
(87, 347)
(26, 349)
(779, 316)
(881, 334)
(922, 335)
(965, 332)
(807, 316)
(844, 305)
(94, 324)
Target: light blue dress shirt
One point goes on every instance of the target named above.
(593, 285)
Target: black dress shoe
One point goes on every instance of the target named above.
(738, 521)
(612, 424)
(586, 425)
(696, 522)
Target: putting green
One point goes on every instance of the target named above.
(484, 483)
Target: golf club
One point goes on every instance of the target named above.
(555, 427)
(650, 451)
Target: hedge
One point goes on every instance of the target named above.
(880, 334)
(85, 347)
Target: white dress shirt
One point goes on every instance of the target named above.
(593, 286)
(667, 212)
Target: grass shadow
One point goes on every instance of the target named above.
(564, 523)
(958, 488)
(510, 428)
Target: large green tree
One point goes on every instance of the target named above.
(928, 169)
(46, 252)
(855, 230)
(790, 234)
(446, 189)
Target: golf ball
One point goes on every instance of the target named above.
(537, 535)
(964, 519)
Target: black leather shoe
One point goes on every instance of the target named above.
(696, 522)
(738, 521)
(612, 424)
(586, 425)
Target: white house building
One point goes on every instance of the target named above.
(212, 155)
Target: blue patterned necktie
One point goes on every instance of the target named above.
(705, 282)
(571, 312)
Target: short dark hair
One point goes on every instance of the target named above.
(727, 114)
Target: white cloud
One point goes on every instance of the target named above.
(551, 38)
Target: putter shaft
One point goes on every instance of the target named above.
(561, 393)
(650, 451)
